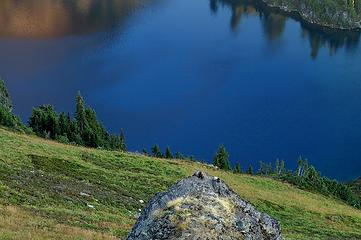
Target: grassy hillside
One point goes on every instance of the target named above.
(50, 190)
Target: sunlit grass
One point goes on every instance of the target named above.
(64, 192)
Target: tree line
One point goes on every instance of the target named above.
(305, 176)
(83, 129)
(7, 118)
(86, 130)
(156, 151)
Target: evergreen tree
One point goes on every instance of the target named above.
(250, 170)
(305, 168)
(145, 152)
(123, 145)
(93, 134)
(74, 133)
(7, 118)
(114, 142)
(262, 168)
(179, 155)
(80, 113)
(85, 129)
(168, 153)
(156, 151)
(270, 170)
(216, 162)
(221, 158)
(44, 121)
(277, 166)
(5, 100)
(282, 167)
(238, 168)
(299, 166)
(64, 125)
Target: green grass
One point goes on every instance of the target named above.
(42, 186)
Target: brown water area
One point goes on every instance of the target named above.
(29, 19)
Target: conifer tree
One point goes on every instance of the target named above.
(277, 166)
(145, 152)
(168, 153)
(282, 167)
(80, 113)
(5, 100)
(250, 170)
(299, 166)
(221, 158)
(238, 168)
(179, 155)
(64, 127)
(305, 168)
(270, 170)
(123, 145)
(7, 118)
(44, 121)
(156, 151)
(262, 168)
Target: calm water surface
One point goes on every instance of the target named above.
(192, 74)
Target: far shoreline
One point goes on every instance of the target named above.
(296, 15)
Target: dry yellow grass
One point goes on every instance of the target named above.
(19, 224)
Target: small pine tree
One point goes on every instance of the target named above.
(145, 152)
(168, 153)
(179, 155)
(238, 168)
(250, 170)
(277, 166)
(122, 144)
(5, 100)
(156, 151)
(262, 168)
(299, 166)
(270, 169)
(221, 158)
(305, 168)
(80, 115)
(282, 167)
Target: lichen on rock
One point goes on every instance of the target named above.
(203, 207)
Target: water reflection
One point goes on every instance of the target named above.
(60, 18)
(274, 23)
(332, 41)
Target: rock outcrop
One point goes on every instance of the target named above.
(320, 13)
(203, 207)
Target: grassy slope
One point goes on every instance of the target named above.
(41, 182)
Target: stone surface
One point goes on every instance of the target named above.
(203, 207)
(330, 18)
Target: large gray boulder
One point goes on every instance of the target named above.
(203, 207)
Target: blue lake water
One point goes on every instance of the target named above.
(192, 74)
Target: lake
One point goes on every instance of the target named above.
(192, 74)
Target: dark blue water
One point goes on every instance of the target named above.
(192, 74)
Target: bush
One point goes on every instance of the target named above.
(62, 139)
